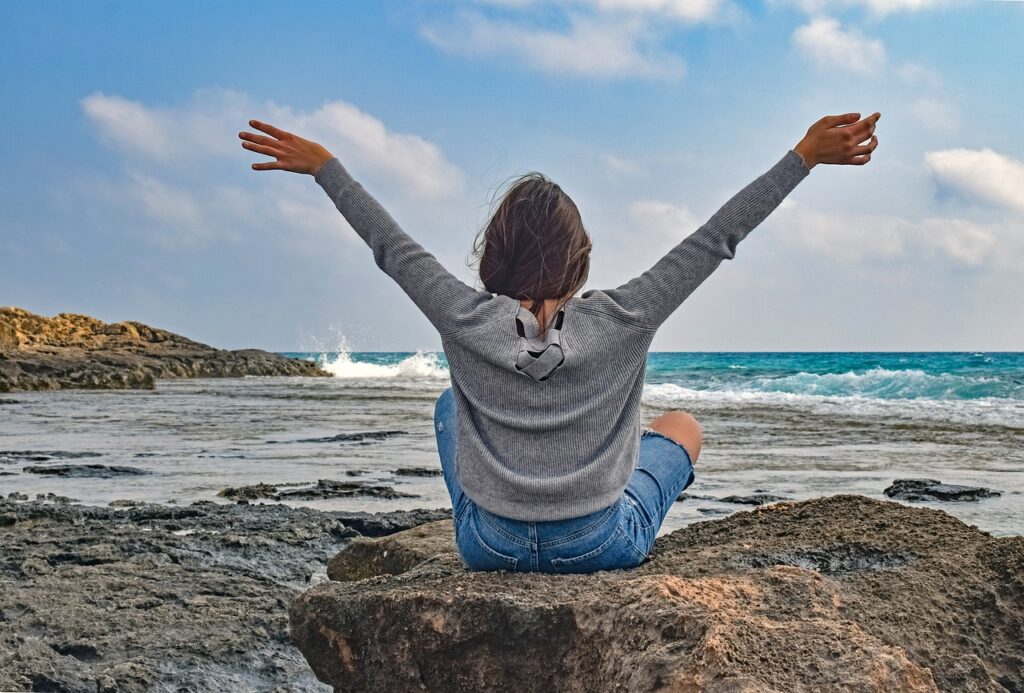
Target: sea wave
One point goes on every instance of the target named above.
(420, 366)
(997, 411)
(884, 383)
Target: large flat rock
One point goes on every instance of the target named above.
(843, 592)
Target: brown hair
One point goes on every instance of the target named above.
(534, 246)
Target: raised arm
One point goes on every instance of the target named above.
(441, 296)
(654, 295)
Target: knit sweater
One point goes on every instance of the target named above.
(549, 429)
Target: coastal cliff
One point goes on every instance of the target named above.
(71, 351)
(838, 593)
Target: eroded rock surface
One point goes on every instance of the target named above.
(834, 593)
(77, 351)
(161, 598)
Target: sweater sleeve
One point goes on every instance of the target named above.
(655, 294)
(441, 296)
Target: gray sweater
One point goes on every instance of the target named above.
(549, 428)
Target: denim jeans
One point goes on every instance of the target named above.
(619, 536)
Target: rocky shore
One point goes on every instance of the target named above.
(837, 593)
(77, 351)
(142, 597)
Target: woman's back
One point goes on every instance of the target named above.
(548, 426)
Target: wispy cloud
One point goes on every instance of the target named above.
(854, 238)
(187, 180)
(589, 47)
(207, 127)
(829, 45)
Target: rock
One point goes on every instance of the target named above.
(78, 471)
(834, 593)
(162, 598)
(394, 554)
(932, 490)
(322, 489)
(16, 496)
(756, 498)
(358, 437)
(418, 471)
(77, 351)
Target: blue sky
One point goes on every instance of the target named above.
(125, 193)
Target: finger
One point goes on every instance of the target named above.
(859, 160)
(866, 148)
(845, 119)
(861, 131)
(267, 166)
(262, 149)
(269, 129)
(258, 139)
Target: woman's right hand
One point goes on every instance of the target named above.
(839, 139)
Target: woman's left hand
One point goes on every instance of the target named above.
(292, 152)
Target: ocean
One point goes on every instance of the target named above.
(796, 425)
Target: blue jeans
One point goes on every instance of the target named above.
(619, 536)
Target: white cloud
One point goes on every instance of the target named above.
(590, 47)
(208, 126)
(830, 46)
(878, 8)
(129, 125)
(664, 219)
(855, 238)
(983, 174)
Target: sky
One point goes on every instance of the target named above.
(125, 193)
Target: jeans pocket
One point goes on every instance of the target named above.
(475, 551)
(615, 552)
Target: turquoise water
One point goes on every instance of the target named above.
(944, 376)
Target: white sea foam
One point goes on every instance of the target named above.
(419, 366)
(998, 411)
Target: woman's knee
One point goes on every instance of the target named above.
(681, 427)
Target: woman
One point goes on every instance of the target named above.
(547, 463)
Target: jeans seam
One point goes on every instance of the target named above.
(508, 535)
(605, 545)
(593, 526)
(512, 560)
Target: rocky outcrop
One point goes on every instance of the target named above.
(839, 593)
(934, 490)
(77, 351)
(141, 597)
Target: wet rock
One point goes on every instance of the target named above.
(756, 498)
(43, 455)
(50, 497)
(155, 597)
(79, 471)
(322, 489)
(933, 490)
(418, 471)
(80, 352)
(7, 400)
(356, 437)
(124, 503)
(834, 593)
(16, 496)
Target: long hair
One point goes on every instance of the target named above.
(535, 246)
